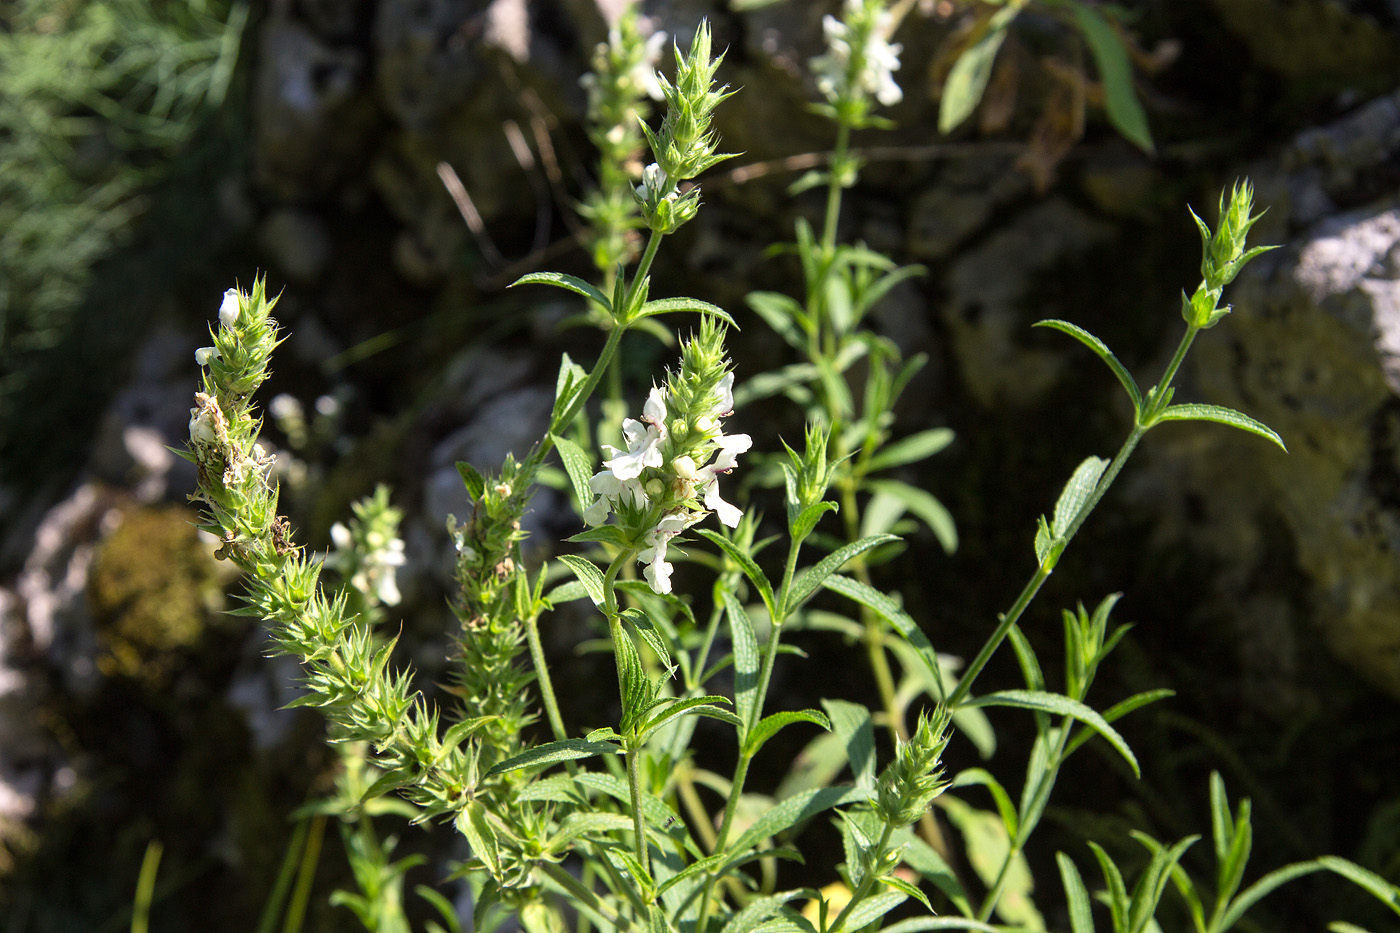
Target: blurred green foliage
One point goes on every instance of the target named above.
(95, 97)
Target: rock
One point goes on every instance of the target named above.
(1313, 351)
(989, 288)
(298, 242)
(310, 120)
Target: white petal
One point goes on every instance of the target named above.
(658, 575)
(654, 411)
(728, 514)
(228, 310)
(725, 391)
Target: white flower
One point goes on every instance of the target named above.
(643, 438)
(612, 493)
(730, 446)
(228, 311)
(658, 572)
(879, 55)
(655, 185)
(203, 355)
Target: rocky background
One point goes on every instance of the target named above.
(1265, 587)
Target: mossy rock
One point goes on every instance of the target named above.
(153, 590)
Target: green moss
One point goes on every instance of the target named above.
(152, 590)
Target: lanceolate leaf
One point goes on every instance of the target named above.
(1235, 419)
(672, 305)
(1105, 354)
(746, 564)
(1111, 58)
(579, 466)
(1081, 918)
(554, 752)
(788, 813)
(746, 661)
(642, 624)
(570, 283)
(911, 449)
(968, 80)
(1076, 492)
(695, 706)
(1062, 706)
(783, 314)
(811, 578)
(924, 505)
(889, 610)
(588, 574)
(769, 726)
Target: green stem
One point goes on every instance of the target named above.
(643, 267)
(1008, 619)
(863, 889)
(634, 782)
(1028, 821)
(741, 770)
(542, 679)
(1100, 489)
(833, 189)
(634, 790)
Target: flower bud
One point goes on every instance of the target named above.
(228, 310)
(915, 777)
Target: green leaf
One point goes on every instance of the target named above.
(772, 383)
(987, 848)
(566, 593)
(475, 483)
(922, 504)
(636, 688)
(607, 534)
(911, 449)
(1005, 807)
(588, 574)
(1220, 415)
(1117, 891)
(659, 817)
(851, 721)
(674, 305)
(908, 888)
(873, 908)
(788, 813)
(783, 314)
(808, 580)
(967, 80)
(1117, 711)
(571, 283)
(1044, 541)
(580, 824)
(473, 823)
(694, 706)
(1081, 916)
(746, 662)
(1062, 706)
(921, 924)
(760, 909)
(887, 609)
(1077, 491)
(642, 624)
(579, 466)
(1387, 893)
(1148, 891)
(1105, 354)
(807, 519)
(746, 564)
(1111, 58)
(553, 753)
(769, 725)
